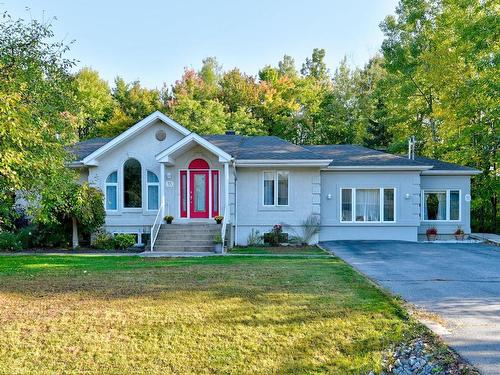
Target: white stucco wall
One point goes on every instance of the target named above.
(308, 194)
(407, 209)
(461, 183)
(143, 147)
(304, 200)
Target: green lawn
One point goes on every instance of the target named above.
(295, 250)
(238, 315)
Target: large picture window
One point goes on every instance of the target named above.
(367, 205)
(153, 191)
(112, 192)
(132, 184)
(276, 188)
(441, 205)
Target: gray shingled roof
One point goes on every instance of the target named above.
(262, 148)
(85, 148)
(274, 148)
(359, 156)
(439, 165)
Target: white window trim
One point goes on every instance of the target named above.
(448, 206)
(148, 184)
(275, 174)
(381, 205)
(106, 184)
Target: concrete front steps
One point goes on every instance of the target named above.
(184, 238)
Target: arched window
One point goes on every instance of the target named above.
(199, 164)
(153, 191)
(111, 191)
(132, 184)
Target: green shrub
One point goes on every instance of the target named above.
(25, 236)
(124, 241)
(276, 236)
(10, 242)
(104, 241)
(50, 235)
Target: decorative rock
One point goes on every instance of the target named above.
(415, 358)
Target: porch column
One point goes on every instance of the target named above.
(226, 191)
(162, 189)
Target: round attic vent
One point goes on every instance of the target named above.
(160, 135)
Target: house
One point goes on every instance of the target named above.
(157, 168)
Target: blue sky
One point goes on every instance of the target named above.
(154, 40)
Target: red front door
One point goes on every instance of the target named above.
(198, 194)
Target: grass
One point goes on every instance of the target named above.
(295, 250)
(233, 315)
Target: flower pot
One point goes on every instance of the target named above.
(431, 237)
(169, 221)
(218, 248)
(218, 221)
(459, 237)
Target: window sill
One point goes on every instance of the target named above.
(275, 208)
(367, 222)
(440, 221)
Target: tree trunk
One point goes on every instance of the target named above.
(75, 233)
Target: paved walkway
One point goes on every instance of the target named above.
(172, 254)
(491, 237)
(458, 282)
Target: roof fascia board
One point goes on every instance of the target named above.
(157, 115)
(451, 172)
(379, 168)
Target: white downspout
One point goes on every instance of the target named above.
(226, 188)
(233, 162)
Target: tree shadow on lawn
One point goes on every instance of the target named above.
(307, 284)
(226, 277)
(311, 314)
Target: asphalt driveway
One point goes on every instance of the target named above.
(458, 282)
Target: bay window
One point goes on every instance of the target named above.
(367, 205)
(276, 188)
(441, 205)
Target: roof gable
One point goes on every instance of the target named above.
(130, 132)
(187, 142)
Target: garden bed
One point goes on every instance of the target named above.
(80, 251)
(283, 250)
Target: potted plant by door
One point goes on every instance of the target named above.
(169, 219)
(431, 233)
(218, 243)
(218, 219)
(459, 234)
